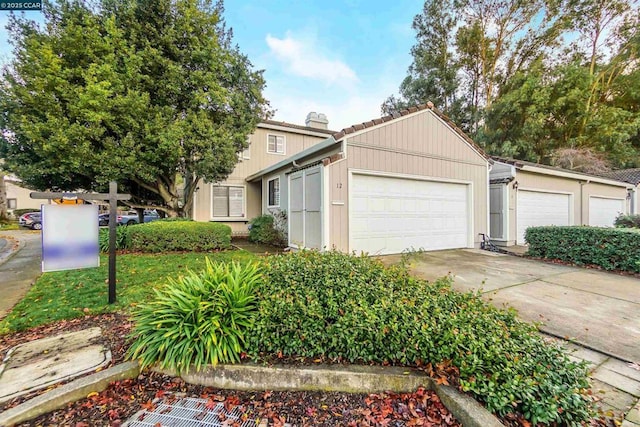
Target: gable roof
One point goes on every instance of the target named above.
(553, 170)
(428, 106)
(327, 132)
(631, 176)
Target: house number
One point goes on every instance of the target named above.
(339, 185)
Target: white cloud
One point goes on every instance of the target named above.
(304, 57)
(341, 111)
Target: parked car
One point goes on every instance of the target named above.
(132, 217)
(32, 220)
(103, 219)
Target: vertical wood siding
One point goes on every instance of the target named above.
(419, 145)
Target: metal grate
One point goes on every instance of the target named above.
(186, 412)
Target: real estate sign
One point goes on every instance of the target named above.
(21, 5)
(69, 237)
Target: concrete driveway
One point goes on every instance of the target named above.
(598, 309)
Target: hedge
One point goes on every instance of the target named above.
(166, 236)
(627, 221)
(345, 308)
(609, 248)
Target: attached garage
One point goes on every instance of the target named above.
(408, 181)
(526, 194)
(604, 210)
(391, 214)
(536, 208)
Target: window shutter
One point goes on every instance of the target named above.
(220, 202)
(236, 201)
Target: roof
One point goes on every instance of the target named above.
(428, 106)
(289, 160)
(521, 164)
(298, 127)
(631, 176)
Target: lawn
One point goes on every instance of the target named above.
(70, 294)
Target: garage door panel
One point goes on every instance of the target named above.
(418, 214)
(537, 208)
(603, 211)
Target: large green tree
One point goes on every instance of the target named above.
(152, 94)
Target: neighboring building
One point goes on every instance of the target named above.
(525, 194)
(411, 180)
(632, 176)
(236, 201)
(18, 196)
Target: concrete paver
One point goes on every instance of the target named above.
(40, 363)
(20, 271)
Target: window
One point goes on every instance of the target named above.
(12, 203)
(274, 192)
(228, 202)
(275, 144)
(246, 154)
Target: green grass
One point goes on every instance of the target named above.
(74, 293)
(13, 225)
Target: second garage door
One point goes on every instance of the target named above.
(603, 211)
(389, 215)
(536, 208)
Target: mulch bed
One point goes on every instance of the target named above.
(124, 398)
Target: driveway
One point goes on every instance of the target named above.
(20, 271)
(597, 309)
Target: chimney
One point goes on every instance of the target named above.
(316, 120)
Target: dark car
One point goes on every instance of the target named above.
(32, 220)
(103, 219)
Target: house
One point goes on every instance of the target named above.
(410, 180)
(632, 176)
(18, 196)
(236, 201)
(525, 194)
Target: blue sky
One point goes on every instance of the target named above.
(341, 58)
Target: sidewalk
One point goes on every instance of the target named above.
(20, 271)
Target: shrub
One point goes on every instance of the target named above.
(263, 230)
(609, 248)
(174, 219)
(122, 238)
(353, 309)
(198, 319)
(165, 236)
(627, 221)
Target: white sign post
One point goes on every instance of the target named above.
(69, 237)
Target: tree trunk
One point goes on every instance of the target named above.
(3, 199)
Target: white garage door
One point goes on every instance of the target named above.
(389, 215)
(603, 211)
(536, 208)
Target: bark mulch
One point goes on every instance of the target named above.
(123, 399)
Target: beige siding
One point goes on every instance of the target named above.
(579, 189)
(259, 159)
(21, 194)
(419, 145)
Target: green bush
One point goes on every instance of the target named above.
(609, 248)
(174, 219)
(165, 236)
(263, 230)
(122, 238)
(627, 221)
(197, 319)
(353, 309)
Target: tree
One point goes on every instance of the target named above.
(145, 93)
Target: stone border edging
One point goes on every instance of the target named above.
(354, 379)
(70, 392)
